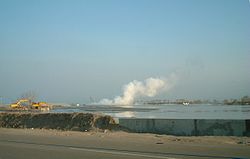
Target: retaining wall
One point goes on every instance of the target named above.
(187, 127)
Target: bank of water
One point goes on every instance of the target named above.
(219, 120)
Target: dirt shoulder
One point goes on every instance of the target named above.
(132, 137)
(64, 144)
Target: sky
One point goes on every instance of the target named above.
(69, 51)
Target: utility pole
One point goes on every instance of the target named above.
(1, 100)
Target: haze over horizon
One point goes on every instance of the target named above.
(69, 51)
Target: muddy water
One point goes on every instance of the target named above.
(167, 111)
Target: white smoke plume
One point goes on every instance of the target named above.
(148, 88)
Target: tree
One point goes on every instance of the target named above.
(245, 100)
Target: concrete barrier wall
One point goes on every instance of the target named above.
(221, 127)
(187, 127)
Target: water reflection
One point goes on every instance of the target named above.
(126, 114)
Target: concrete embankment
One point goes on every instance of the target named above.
(88, 121)
(60, 121)
(188, 127)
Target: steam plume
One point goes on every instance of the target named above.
(148, 88)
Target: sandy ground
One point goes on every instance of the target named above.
(115, 143)
(139, 137)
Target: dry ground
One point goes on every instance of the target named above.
(67, 144)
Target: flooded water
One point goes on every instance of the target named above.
(167, 111)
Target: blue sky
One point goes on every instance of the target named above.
(67, 51)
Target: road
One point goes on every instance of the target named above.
(29, 144)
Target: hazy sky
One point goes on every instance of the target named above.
(67, 51)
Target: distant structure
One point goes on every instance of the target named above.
(92, 100)
(185, 103)
(242, 101)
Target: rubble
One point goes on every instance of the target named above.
(60, 121)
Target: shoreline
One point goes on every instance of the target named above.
(96, 121)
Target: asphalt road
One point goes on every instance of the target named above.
(25, 145)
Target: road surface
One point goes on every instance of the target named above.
(30, 144)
